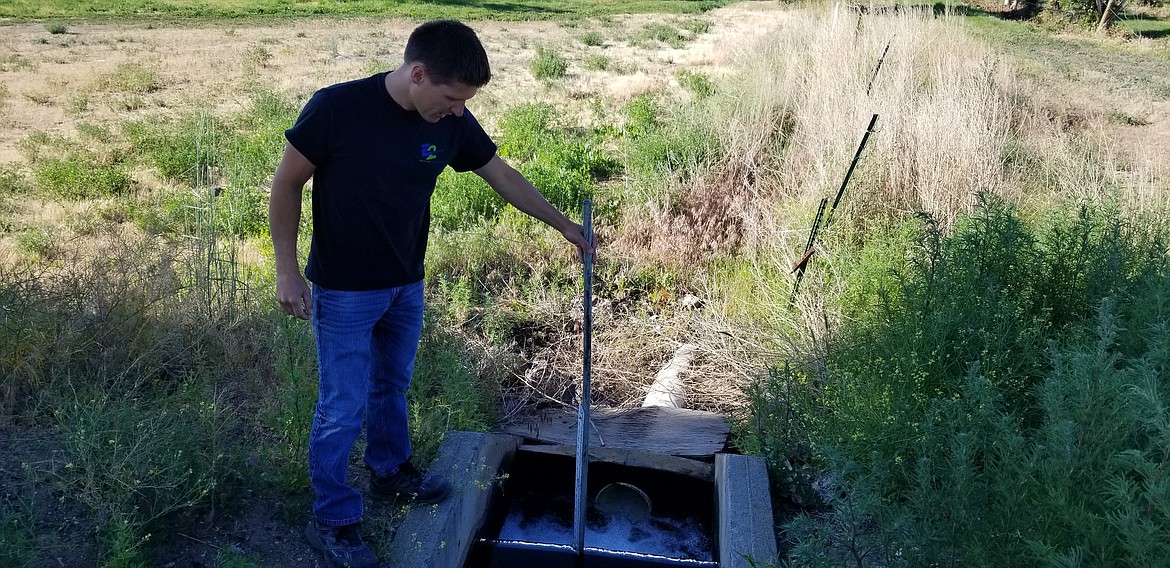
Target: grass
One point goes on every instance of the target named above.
(131, 78)
(473, 9)
(548, 64)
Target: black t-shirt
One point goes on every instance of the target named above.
(376, 169)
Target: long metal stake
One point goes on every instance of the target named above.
(849, 173)
(828, 216)
(579, 500)
(881, 60)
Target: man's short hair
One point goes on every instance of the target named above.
(450, 51)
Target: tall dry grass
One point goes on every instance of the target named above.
(947, 106)
(956, 120)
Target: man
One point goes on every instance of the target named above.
(374, 148)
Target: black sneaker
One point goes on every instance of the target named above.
(410, 483)
(342, 546)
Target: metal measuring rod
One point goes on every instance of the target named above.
(580, 497)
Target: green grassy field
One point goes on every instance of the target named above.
(469, 9)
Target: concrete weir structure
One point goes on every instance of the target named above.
(456, 532)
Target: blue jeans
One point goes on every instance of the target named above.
(366, 345)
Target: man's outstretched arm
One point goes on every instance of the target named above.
(517, 190)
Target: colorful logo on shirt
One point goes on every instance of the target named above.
(429, 153)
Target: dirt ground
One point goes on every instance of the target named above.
(55, 81)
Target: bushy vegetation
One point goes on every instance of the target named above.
(1003, 383)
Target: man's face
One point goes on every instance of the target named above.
(434, 101)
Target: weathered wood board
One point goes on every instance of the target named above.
(658, 429)
(634, 458)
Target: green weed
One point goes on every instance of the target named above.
(696, 83)
(446, 393)
(1120, 117)
(136, 459)
(258, 56)
(12, 181)
(17, 537)
(597, 63)
(592, 39)
(564, 165)
(229, 558)
(56, 28)
(38, 98)
(183, 151)
(461, 200)
(641, 116)
(291, 415)
(131, 78)
(548, 64)
(80, 177)
(695, 25)
(39, 241)
(653, 34)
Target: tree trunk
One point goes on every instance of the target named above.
(1107, 16)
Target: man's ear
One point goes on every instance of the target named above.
(418, 72)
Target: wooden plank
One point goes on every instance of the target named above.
(657, 429)
(633, 458)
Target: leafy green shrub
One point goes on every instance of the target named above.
(985, 394)
(56, 28)
(592, 39)
(80, 177)
(548, 64)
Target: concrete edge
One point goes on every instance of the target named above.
(744, 505)
(440, 536)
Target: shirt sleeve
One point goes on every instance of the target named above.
(310, 134)
(476, 149)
